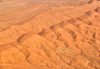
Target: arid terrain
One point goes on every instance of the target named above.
(49, 34)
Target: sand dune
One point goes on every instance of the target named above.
(49, 35)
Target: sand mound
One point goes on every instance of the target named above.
(48, 37)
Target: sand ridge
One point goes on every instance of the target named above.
(64, 37)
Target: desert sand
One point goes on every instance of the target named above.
(49, 34)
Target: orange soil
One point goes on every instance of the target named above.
(51, 37)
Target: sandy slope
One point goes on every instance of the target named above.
(44, 37)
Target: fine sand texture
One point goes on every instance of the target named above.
(49, 34)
